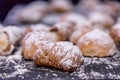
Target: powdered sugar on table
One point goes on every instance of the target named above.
(15, 67)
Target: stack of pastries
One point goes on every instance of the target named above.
(63, 44)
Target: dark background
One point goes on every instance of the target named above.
(6, 5)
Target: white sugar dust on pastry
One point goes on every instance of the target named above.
(63, 29)
(37, 27)
(9, 37)
(78, 19)
(61, 55)
(4, 42)
(115, 33)
(32, 40)
(77, 34)
(97, 43)
(33, 12)
(98, 18)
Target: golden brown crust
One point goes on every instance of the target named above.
(4, 43)
(115, 33)
(97, 43)
(9, 37)
(28, 54)
(32, 40)
(61, 55)
(55, 36)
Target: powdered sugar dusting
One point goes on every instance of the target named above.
(99, 68)
(13, 60)
(117, 26)
(100, 18)
(73, 17)
(98, 37)
(14, 33)
(64, 29)
(39, 27)
(36, 38)
(19, 70)
(68, 51)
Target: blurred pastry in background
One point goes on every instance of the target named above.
(63, 29)
(118, 19)
(61, 55)
(105, 9)
(51, 18)
(9, 38)
(60, 6)
(114, 6)
(1, 26)
(85, 6)
(42, 27)
(37, 27)
(77, 34)
(90, 4)
(73, 17)
(33, 12)
(97, 44)
(98, 18)
(12, 16)
(115, 33)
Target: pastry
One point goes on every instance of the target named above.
(37, 27)
(115, 33)
(76, 18)
(97, 44)
(118, 19)
(9, 37)
(114, 5)
(78, 33)
(33, 12)
(98, 18)
(60, 6)
(61, 55)
(107, 7)
(63, 30)
(42, 27)
(32, 40)
(111, 9)
(1, 26)
(86, 6)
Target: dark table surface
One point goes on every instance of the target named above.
(15, 68)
